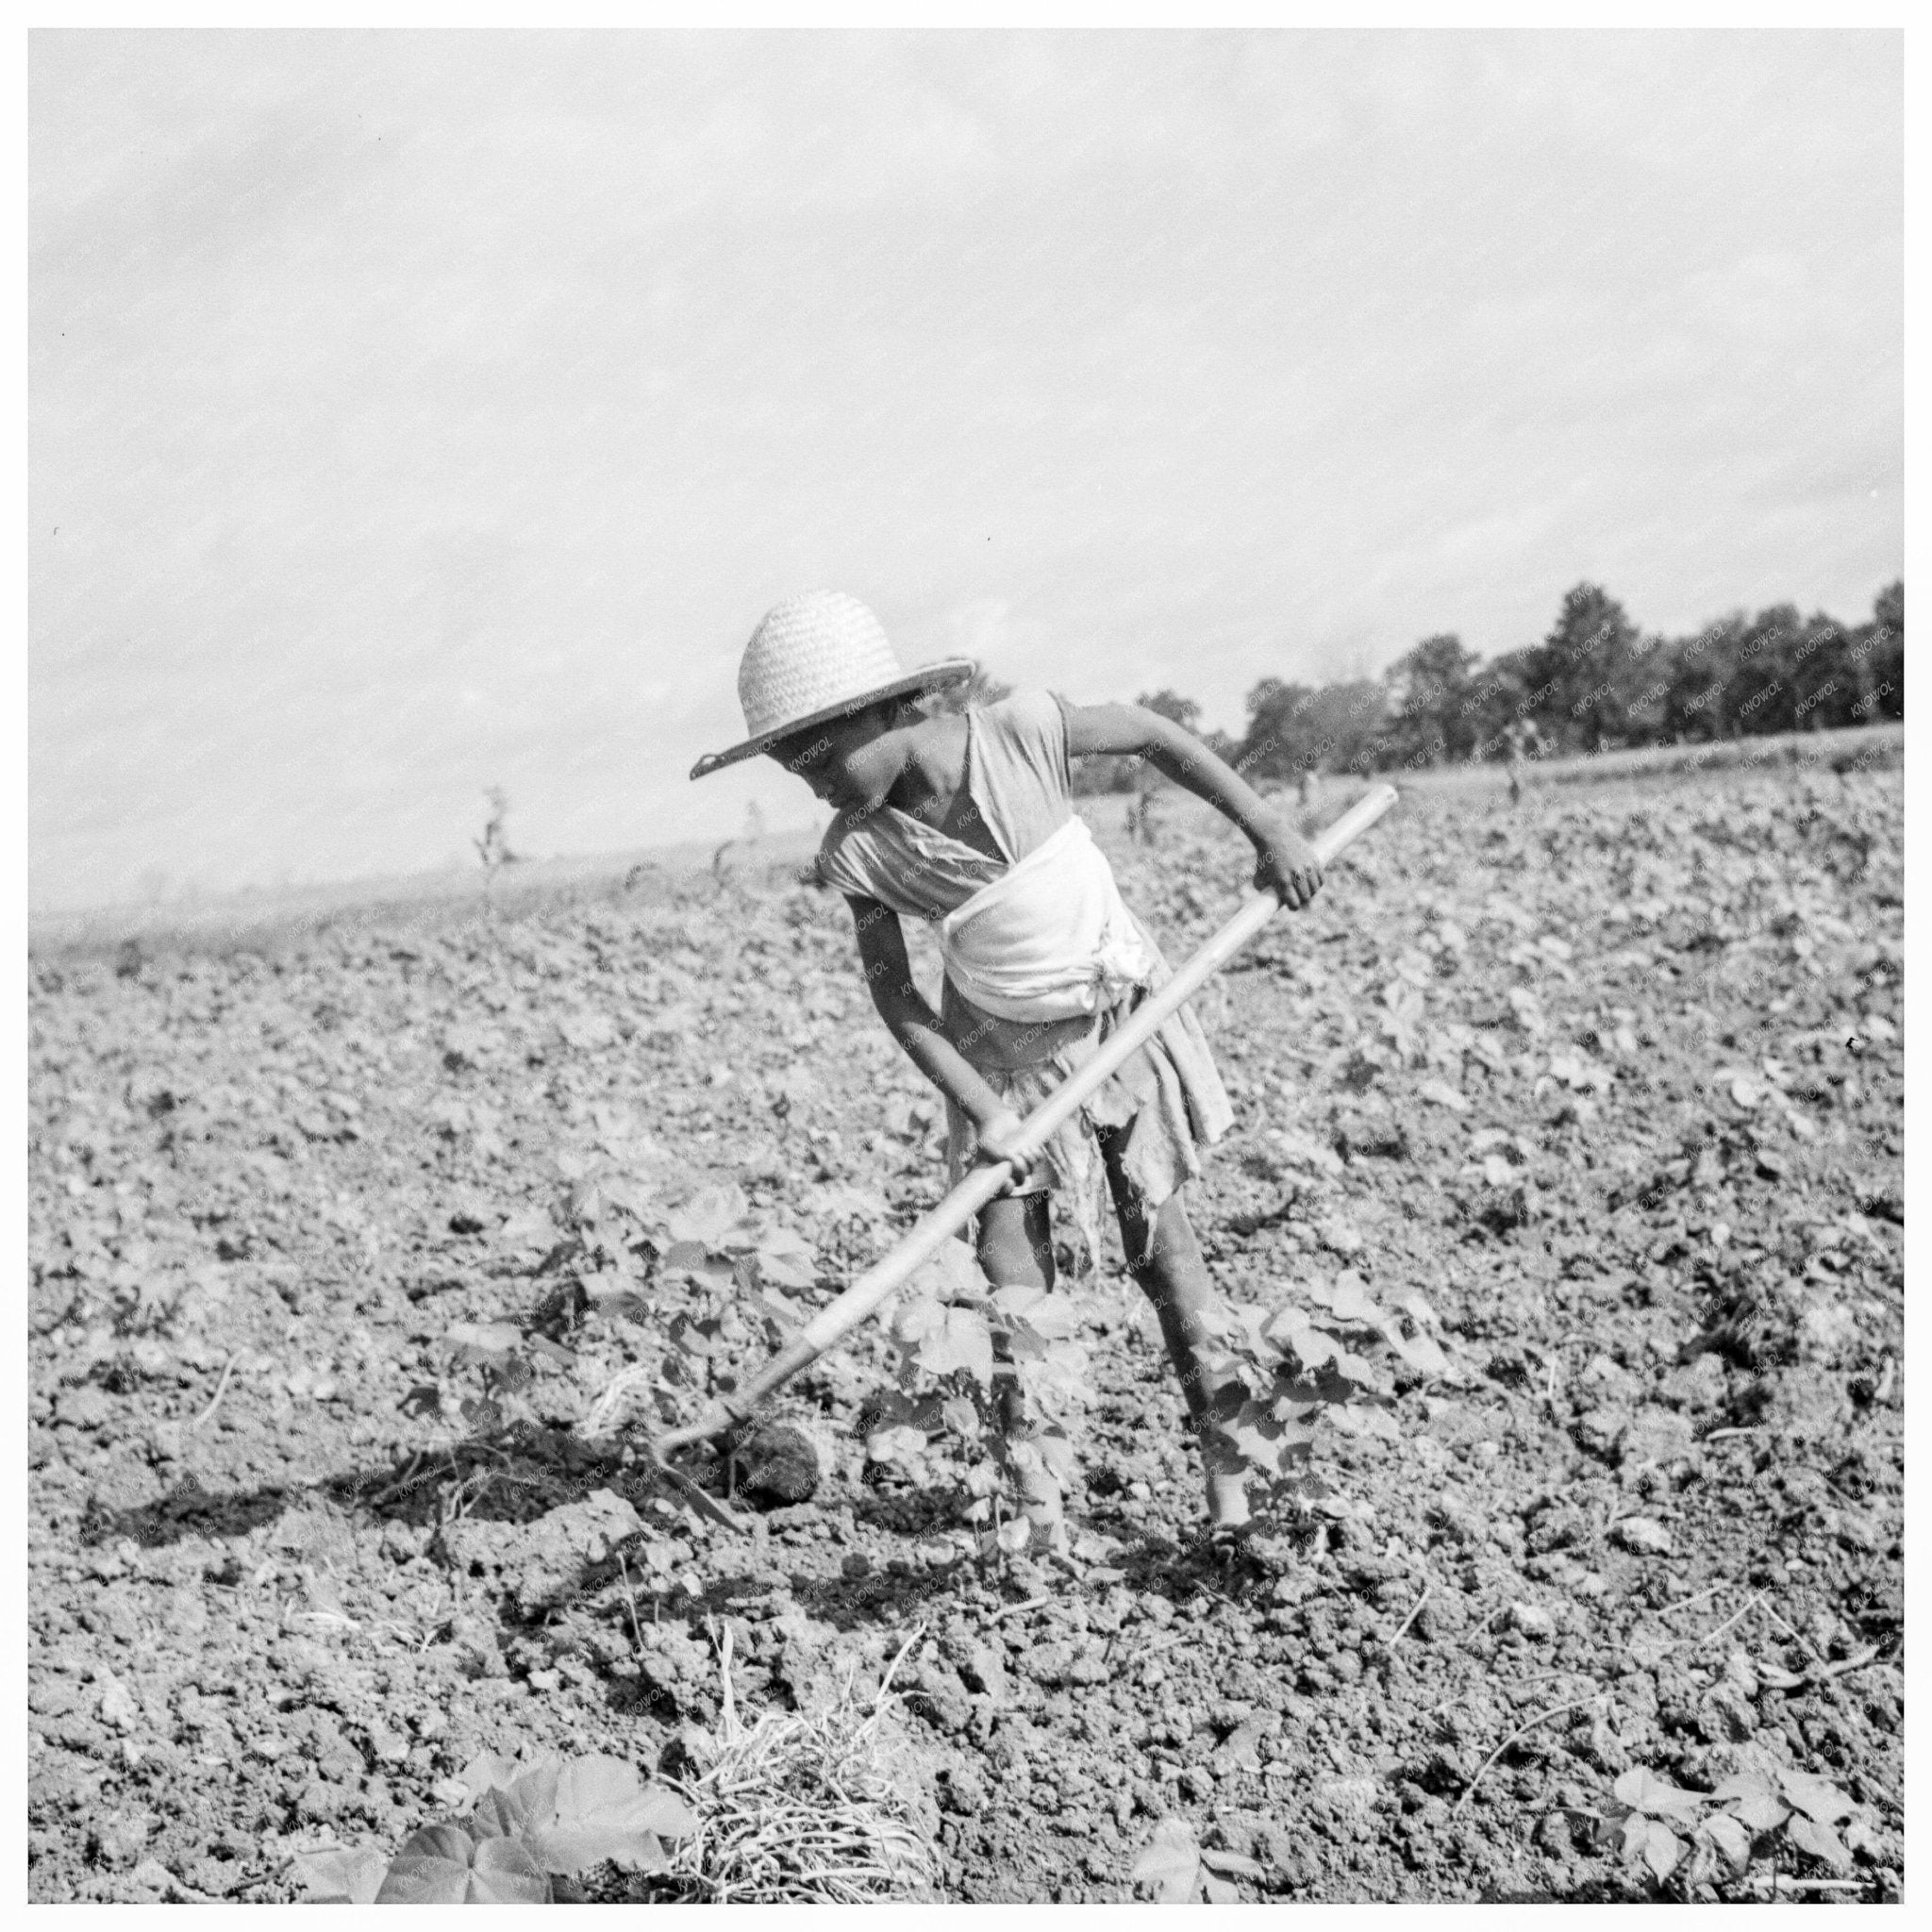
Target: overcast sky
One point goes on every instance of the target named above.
(413, 413)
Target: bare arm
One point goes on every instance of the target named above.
(910, 1020)
(1286, 863)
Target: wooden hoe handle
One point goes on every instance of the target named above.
(831, 1324)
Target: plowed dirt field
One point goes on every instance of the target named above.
(1613, 1080)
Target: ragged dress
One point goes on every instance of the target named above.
(1043, 962)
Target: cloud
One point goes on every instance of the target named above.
(371, 369)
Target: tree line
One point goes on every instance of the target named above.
(1596, 683)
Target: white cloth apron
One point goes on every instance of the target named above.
(1050, 938)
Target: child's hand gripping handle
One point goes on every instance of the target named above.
(1330, 842)
(890, 1273)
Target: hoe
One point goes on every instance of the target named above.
(729, 1414)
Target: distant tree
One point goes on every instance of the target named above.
(1581, 675)
(1646, 695)
(1299, 727)
(1697, 672)
(1594, 681)
(1426, 722)
(1492, 709)
(1824, 681)
(1761, 698)
(1278, 725)
(1885, 658)
(1346, 722)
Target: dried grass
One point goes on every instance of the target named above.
(822, 1807)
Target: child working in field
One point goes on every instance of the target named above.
(965, 821)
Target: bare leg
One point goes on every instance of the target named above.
(1016, 1251)
(1175, 1278)
(1016, 1240)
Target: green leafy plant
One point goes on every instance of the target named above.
(1177, 1871)
(710, 1284)
(998, 1369)
(973, 1357)
(509, 1357)
(1281, 1372)
(685, 1258)
(536, 1828)
(693, 1267)
(1684, 1840)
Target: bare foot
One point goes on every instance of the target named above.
(1227, 1503)
(1228, 1495)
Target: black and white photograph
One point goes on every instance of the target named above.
(965, 965)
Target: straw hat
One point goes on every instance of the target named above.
(820, 656)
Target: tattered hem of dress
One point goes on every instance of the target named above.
(1166, 1124)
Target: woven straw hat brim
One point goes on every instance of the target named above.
(940, 676)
